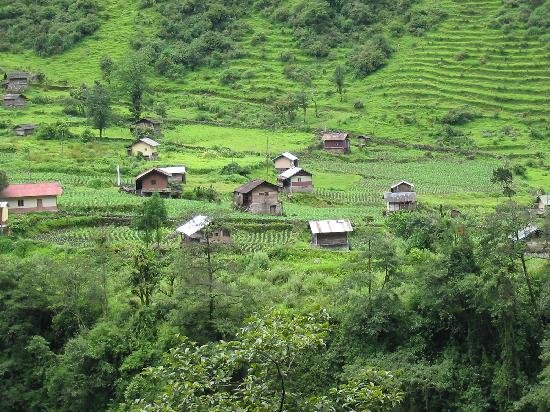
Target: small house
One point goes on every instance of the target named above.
(3, 217)
(194, 231)
(16, 82)
(363, 140)
(285, 161)
(331, 233)
(146, 147)
(295, 180)
(543, 203)
(146, 123)
(400, 197)
(258, 196)
(31, 197)
(336, 142)
(166, 181)
(14, 100)
(24, 129)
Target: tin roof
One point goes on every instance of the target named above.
(12, 96)
(173, 170)
(18, 75)
(525, 232)
(330, 226)
(31, 190)
(253, 184)
(334, 136)
(149, 141)
(3, 205)
(400, 197)
(194, 225)
(400, 182)
(292, 172)
(147, 119)
(545, 199)
(288, 155)
(25, 126)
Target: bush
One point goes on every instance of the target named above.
(55, 131)
(452, 137)
(463, 55)
(371, 56)
(230, 76)
(423, 18)
(459, 116)
(202, 193)
(287, 57)
(234, 169)
(358, 105)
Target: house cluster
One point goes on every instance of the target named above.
(15, 84)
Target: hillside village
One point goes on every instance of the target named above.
(275, 205)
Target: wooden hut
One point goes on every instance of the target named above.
(167, 181)
(258, 196)
(146, 123)
(146, 147)
(32, 197)
(285, 161)
(335, 142)
(17, 82)
(24, 129)
(14, 100)
(331, 233)
(295, 180)
(194, 231)
(400, 197)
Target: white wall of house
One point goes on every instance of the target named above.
(143, 148)
(31, 202)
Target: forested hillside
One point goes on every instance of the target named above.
(113, 294)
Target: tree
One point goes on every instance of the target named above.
(133, 81)
(4, 182)
(151, 216)
(145, 276)
(339, 78)
(107, 66)
(504, 177)
(302, 101)
(98, 107)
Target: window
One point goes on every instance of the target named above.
(299, 179)
(20, 203)
(153, 182)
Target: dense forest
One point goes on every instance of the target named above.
(104, 304)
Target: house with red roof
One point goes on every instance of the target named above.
(31, 197)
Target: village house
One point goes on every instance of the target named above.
(146, 123)
(167, 181)
(331, 233)
(24, 129)
(17, 82)
(31, 197)
(295, 180)
(543, 203)
(336, 142)
(146, 147)
(285, 161)
(14, 100)
(258, 196)
(194, 231)
(400, 197)
(3, 217)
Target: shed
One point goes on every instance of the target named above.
(528, 232)
(146, 147)
(336, 142)
(543, 203)
(285, 161)
(14, 100)
(258, 196)
(295, 180)
(166, 181)
(193, 231)
(331, 233)
(3, 217)
(31, 197)
(17, 81)
(146, 123)
(400, 197)
(24, 129)
(363, 140)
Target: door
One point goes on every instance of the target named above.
(39, 204)
(273, 209)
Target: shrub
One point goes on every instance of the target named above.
(459, 116)
(371, 56)
(202, 193)
(286, 57)
(230, 76)
(358, 105)
(423, 18)
(462, 55)
(234, 169)
(452, 137)
(258, 38)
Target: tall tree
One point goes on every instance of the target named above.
(504, 177)
(107, 66)
(145, 276)
(339, 79)
(302, 101)
(98, 107)
(4, 182)
(133, 81)
(152, 215)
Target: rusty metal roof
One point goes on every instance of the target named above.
(330, 226)
(334, 136)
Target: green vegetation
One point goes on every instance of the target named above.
(444, 308)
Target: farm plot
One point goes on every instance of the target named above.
(250, 241)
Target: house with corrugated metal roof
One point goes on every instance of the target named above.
(24, 129)
(166, 181)
(194, 231)
(258, 196)
(295, 180)
(146, 123)
(146, 147)
(331, 233)
(336, 142)
(285, 161)
(31, 197)
(400, 197)
(11, 100)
